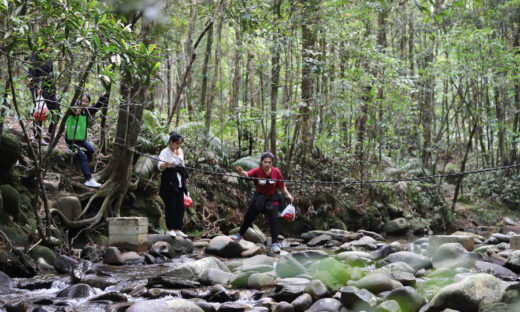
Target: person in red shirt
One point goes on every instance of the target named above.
(267, 200)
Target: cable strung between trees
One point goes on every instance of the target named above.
(344, 181)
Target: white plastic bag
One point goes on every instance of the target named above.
(289, 213)
(40, 110)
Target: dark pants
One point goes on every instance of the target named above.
(271, 212)
(174, 210)
(84, 151)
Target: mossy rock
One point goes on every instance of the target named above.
(15, 235)
(11, 201)
(10, 151)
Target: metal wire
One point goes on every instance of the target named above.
(344, 181)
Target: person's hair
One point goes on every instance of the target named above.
(266, 155)
(85, 95)
(175, 136)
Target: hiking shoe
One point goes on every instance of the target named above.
(171, 233)
(236, 237)
(92, 183)
(276, 248)
(180, 234)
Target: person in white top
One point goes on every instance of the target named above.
(173, 183)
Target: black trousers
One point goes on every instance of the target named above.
(269, 209)
(174, 210)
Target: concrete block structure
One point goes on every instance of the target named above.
(128, 233)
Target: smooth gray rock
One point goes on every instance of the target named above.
(76, 291)
(389, 306)
(408, 298)
(194, 270)
(165, 305)
(327, 305)
(212, 276)
(468, 294)
(387, 250)
(495, 269)
(416, 261)
(396, 226)
(5, 283)
(113, 256)
(376, 283)
(288, 266)
(316, 289)
(319, 240)
(258, 260)
(179, 244)
(70, 206)
(163, 248)
(453, 255)
(353, 297)
(513, 262)
(283, 307)
(224, 246)
(65, 264)
(260, 281)
(44, 252)
(302, 303)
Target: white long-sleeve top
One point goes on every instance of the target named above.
(168, 155)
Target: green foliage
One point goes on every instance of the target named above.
(145, 166)
(248, 162)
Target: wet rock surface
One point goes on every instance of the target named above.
(361, 272)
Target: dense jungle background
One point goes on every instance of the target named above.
(340, 91)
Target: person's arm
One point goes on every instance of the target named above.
(287, 193)
(101, 102)
(163, 164)
(242, 172)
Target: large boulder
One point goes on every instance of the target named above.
(453, 255)
(224, 246)
(408, 298)
(356, 298)
(65, 264)
(5, 283)
(396, 226)
(288, 266)
(195, 270)
(43, 252)
(70, 206)
(10, 151)
(76, 291)
(255, 261)
(10, 201)
(513, 262)
(165, 305)
(468, 294)
(416, 261)
(327, 305)
(376, 283)
(214, 276)
(179, 244)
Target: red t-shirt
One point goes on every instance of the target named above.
(269, 187)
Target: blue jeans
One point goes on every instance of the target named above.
(84, 151)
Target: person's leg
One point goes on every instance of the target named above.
(272, 216)
(169, 206)
(251, 214)
(89, 149)
(83, 159)
(178, 210)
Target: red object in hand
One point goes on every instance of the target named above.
(40, 112)
(187, 201)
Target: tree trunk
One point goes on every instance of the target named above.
(207, 57)
(237, 56)
(308, 77)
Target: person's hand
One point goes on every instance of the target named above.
(290, 197)
(78, 111)
(170, 163)
(38, 92)
(240, 170)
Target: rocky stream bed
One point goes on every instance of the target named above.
(333, 270)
